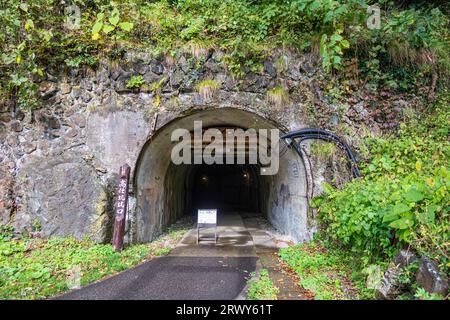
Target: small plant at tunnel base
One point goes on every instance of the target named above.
(206, 88)
(257, 144)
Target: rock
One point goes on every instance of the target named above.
(68, 112)
(72, 133)
(390, 286)
(184, 64)
(19, 115)
(65, 88)
(404, 258)
(142, 69)
(124, 76)
(270, 69)
(101, 170)
(16, 126)
(49, 121)
(307, 67)
(74, 72)
(12, 141)
(294, 73)
(79, 120)
(150, 77)
(157, 68)
(76, 92)
(5, 117)
(429, 277)
(116, 73)
(86, 85)
(86, 97)
(48, 89)
(176, 79)
(53, 122)
(28, 147)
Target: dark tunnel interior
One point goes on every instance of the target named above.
(225, 187)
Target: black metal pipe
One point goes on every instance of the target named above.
(313, 133)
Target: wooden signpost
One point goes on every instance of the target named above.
(121, 207)
(207, 219)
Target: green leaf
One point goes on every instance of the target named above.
(402, 223)
(400, 208)
(107, 28)
(126, 26)
(336, 38)
(114, 17)
(345, 44)
(429, 215)
(390, 217)
(23, 7)
(413, 195)
(97, 27)
(336, 60)
(29, 24)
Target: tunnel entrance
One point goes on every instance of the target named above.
(225, 187)
(236, 188)
(166, 191)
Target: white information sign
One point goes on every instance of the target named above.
(207, 216)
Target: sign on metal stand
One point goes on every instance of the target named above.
(207, 218)
(121, 207)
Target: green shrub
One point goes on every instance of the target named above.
(403, 198)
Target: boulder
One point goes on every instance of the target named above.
(404, 258)
(390, 286)
(429, 277)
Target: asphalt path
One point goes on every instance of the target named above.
(173, 278)
(205, 271)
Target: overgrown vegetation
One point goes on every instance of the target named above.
(410, 47)
(402, 200)
(328, 274)
(262, 288)
(34, 268)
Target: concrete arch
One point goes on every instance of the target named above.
(162, 189)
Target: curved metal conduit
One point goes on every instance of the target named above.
(313, 133)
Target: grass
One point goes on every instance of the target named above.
(277, 96)
(262, 288)
(207, 88)
(35, 268)
(328, 274)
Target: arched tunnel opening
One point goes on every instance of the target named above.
(232, 188)
(166, 191)
(225, 187)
